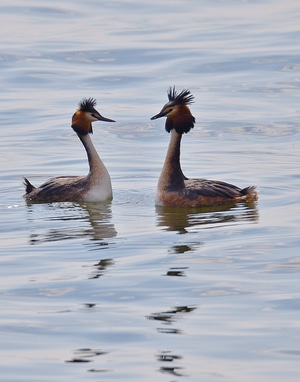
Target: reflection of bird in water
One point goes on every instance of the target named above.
(174, 188)
(99, 216)
(94, 187)
(179, 219)
(73, 221)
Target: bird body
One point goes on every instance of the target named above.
(94, 187)
(174, 188)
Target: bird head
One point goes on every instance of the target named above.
(84, 116)
(178, 114)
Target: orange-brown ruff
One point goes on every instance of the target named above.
(174, 188)
(94, 187)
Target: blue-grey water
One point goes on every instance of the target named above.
(124, 291)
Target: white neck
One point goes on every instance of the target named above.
(99, 177)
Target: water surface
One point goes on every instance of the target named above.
(124, 290)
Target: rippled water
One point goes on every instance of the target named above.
(126, 291)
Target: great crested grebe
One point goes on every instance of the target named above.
(174, 188)
(94, 187)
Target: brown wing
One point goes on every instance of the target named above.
(60, 189)
(212, 188)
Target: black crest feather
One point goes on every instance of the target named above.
(87, 104)
(184, 97)
(184, 121)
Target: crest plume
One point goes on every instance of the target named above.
(87, 104)
(184, 97)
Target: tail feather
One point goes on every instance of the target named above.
(28, 186)
(250, 191)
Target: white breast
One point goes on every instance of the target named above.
(100, 191)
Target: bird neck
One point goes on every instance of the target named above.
(171, 177)
(95, 163)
